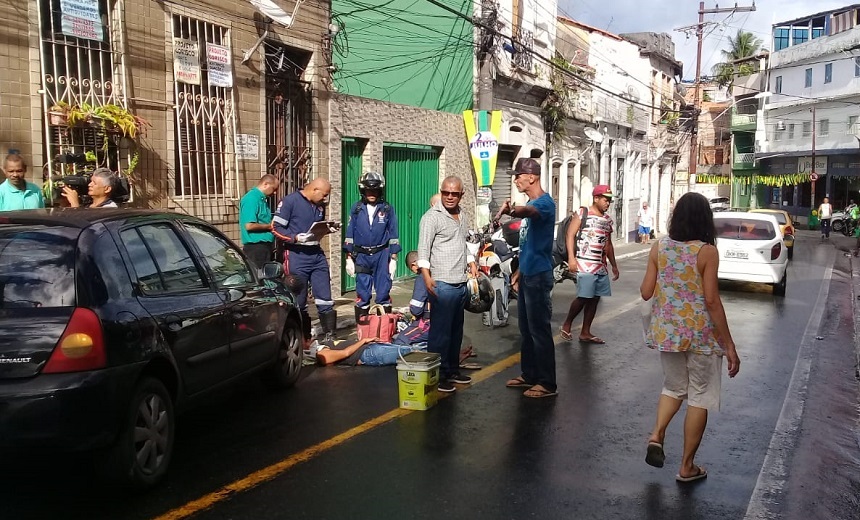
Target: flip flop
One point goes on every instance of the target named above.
(592, 339)
(471, 366)
(655, 456)
(518, 382)
(537, 393)
(567, 336)
(700, 474)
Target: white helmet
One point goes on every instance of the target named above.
(371, 181)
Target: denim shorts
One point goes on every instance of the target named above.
(644, 230)
(591, 285)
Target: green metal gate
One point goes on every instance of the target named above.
(351, 152)
(411, 178)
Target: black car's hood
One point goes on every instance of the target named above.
(27, 338)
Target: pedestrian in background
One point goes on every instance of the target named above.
(371, 244)
(103, 186)
(645, 220)
(825, 213)
(534, 294)
(443, 258)
(15, 191)
(255, 222)
(688, 327)
(304, 258)
(588, 262)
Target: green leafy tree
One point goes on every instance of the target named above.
(744, 44)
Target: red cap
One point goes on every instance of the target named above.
(602, 190)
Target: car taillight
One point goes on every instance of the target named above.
(81, 347)
(788, 230)
(775, 250)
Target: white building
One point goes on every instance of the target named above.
(813, 109)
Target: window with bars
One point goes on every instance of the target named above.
(80, 68)
(205, 112)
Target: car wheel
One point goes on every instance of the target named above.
(288, 365)
(790, 251)
(142, 453)
(779, 288)
(837, 226)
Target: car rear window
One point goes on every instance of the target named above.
(37, 266)
(744, 229)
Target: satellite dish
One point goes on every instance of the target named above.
(593, 134)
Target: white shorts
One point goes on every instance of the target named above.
(694, 377)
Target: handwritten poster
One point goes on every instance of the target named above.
(186, 61)
(81, 19)
(220, 70)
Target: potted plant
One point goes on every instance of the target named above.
(58, 114)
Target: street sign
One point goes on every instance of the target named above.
(483, 129)
(813, 176)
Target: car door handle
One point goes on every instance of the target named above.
(172, 322)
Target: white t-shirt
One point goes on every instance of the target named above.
(645, 218)
(371, 212)
(825, 211)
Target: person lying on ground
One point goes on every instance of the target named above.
(369, 352)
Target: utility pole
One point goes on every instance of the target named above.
(814, 175)
(489, 17)
(694, 132)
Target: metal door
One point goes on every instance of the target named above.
(618, 199)
(411, 178)
(350, 171)
(502, 182)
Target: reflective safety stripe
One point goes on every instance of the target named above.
(416, 303)
(280, 220)
(323, 302)
(394, 241)
(348, 240)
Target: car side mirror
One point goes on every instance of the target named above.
(272, 271)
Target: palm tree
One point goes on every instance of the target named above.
(742, 45)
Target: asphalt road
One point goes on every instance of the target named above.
(784, 444)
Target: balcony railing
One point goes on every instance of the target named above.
(743, 119)
(745, 158)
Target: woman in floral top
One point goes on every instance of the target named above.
(689, 328)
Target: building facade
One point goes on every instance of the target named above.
(228, 92)
(812, 111)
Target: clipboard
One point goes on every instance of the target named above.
(322, 228)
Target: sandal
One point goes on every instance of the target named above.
(518, 382)
(471, 366)
(565, 335)
(700, 474)
(655, 455)
(538, 391)
(592, 339)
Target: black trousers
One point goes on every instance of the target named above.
(259, 253)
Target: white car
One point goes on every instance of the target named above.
(751, 249)
(719, 204)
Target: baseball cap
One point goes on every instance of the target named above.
(526, 165)
(602, 190)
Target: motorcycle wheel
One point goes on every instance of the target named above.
(837, 226)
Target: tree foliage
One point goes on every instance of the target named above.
(742, 45)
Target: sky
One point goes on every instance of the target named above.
(622, 16)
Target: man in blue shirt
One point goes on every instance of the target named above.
(255, 222)
(303, 256)
(15, 191)
(371, 244)
(533, 282)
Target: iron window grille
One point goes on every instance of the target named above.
(78, 70)
(205, 121)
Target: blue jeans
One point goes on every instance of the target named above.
(534, 305)
(446, 327)
(383, 354)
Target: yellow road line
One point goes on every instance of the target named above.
(275, 470)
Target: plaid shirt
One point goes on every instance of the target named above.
(442, 245)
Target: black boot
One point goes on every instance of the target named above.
(306, 329)
(328, 322)
(360, 312)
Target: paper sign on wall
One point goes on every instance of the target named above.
(186, 61)
(220, 69)
(248, 147)
(81, 19)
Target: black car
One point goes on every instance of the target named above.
(113, 319)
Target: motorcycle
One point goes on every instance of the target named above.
(839, 219)
(496, 250)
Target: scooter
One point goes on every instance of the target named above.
(496, 248)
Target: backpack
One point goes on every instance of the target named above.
(559, 248)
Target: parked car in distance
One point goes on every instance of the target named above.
(751, 249)
(111, 320)
(786, 226)
(719, 204)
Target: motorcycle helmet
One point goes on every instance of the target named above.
(371, 181)
(490, 263)
(481, 296)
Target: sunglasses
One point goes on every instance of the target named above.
(451, 193)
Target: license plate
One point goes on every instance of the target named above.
(733, 253)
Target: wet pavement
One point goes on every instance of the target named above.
(337, 446)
